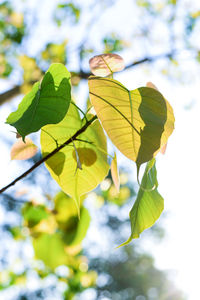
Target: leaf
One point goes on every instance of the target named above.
(46, 103)
(50, 249)
(22, 151)
(138, 122)
(148, 205)
(106, 64)
(92, 152)
(115, 173)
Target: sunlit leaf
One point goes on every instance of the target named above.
(106, 64)
(92, 152)
(115, 173)
(22, 151)
(46, 103)
(163, 149)
(148, 205)
(138, 122)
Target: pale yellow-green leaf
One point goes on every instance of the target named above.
(22, 151)
(92, 152)
(115, 173)
(138, 122)
(106, 64)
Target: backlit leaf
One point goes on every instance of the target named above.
(138, 122)
(92, 152)
(46, 103)
(148, 205)
(106, 64)
(22, 151)
(115, 173)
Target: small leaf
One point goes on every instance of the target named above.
(22, 151)
(47, 103)
(138, 122)
(163, 149)
(115, 173)
(106, 64)
(148, 205)
(151, 85)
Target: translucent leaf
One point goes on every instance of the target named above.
(115, 173)
(22, 151)
(46, 103)
(92, 152)
(138, 122)
(149, 203)
(106, 64)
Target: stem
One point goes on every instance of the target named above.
(37, 164)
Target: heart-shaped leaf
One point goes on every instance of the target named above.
(138, 122)
(46, 103)
(22, 151)
(92, 152)
(106, 64)
(149, 203)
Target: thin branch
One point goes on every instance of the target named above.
(37, 164)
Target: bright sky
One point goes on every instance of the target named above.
(178, 172)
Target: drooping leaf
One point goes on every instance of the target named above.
(46, 103)
(138, 122)
(106, 64)
(22, 151)
(148, 205)
(115, 173)
(92, 152)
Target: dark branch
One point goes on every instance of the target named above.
(37, 164)
(8, 95)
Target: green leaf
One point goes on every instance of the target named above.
(50, 249)
(138, 122)
(149, 203)
(115, 173)
(92, 152)
(46, 103)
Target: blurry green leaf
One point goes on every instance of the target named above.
(45, 104)
(92, 152)
(82, 227)
(138, 122)
(148, 205)
(50, 249)
(34, 214)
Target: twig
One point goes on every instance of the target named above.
(37, 164)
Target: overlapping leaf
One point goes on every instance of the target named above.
(138, 122)
(46, 103)
(149, 203)
(91, 148)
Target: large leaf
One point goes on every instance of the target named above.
(92, 152)
(149, 203)
(138, 122)
(46, 103)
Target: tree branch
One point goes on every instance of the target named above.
(8, 95)
(37, 164)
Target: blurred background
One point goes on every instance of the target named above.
(46, 253)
